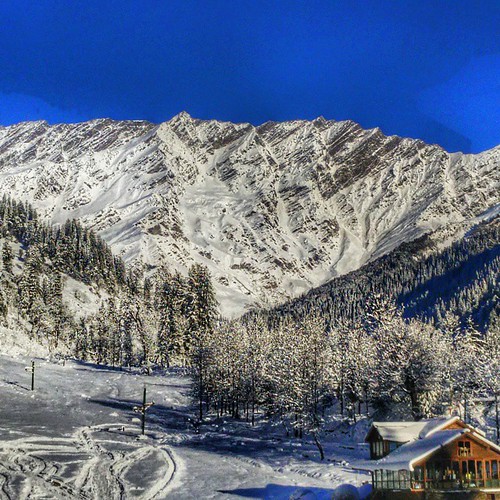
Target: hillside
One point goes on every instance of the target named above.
(62, 287)
(432, 280)
(273, 210)
(51, 277)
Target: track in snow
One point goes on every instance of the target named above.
(77, 437)
(95, 466)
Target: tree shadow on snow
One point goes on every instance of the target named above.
(88, 366)
(223, 438)
(17, 384)
(163, 417)
(279, 491)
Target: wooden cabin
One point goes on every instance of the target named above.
(439, 458)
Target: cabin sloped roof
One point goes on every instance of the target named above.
(406, 455)
(403, 432)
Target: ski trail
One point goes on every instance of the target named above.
(104, 475)
(162, 487)
(35, 478)
(101, 467)
(4, 480)
(100, 476)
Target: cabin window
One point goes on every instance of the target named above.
(464, 469)
(404, 479)
(418, 478)
(488, 470)
(418, 473)
(472, 470)
(378, 448)
(464, 449)
(479, 468)
(391, 483)
(433, 470)
(494, 469)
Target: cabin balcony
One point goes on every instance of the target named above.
(456, 485)
(404, 480)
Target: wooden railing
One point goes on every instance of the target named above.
(432, 484)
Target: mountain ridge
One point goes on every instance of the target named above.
(273, 210)
(187, 115)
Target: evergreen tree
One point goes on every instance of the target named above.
(201, 316)
(489, 366)
(7, 257)
(82, 342)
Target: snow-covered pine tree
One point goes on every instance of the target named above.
(7, 257)
(29, 290)
(315, 377)
(114, 353)
(201, 316)
(466, 375)
(255, 345)
(169, 342)
(355, 362)
(409, 362)
(422, 371)
(125, 330)
(490, 368)
(82, 342)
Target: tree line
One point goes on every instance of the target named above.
(300, 373)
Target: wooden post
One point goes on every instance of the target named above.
(32, 370)
(143, 423)
(142, 410)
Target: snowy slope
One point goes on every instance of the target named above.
(272, 210)
(77, 436)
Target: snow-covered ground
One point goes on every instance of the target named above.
(76, 436)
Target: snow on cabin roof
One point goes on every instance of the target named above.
(406, 455)
(402, 432)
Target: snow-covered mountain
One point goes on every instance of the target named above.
(272, 210)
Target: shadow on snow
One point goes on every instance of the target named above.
(279, 491)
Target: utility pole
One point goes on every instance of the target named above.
(32, 370)
(142, 410)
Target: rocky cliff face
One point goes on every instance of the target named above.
(272, 210)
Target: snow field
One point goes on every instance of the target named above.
(76, 436)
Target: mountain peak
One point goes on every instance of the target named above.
(182, 116)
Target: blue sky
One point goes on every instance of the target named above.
(426, 69)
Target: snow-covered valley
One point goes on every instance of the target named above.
(269, 212)
(76, 436)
